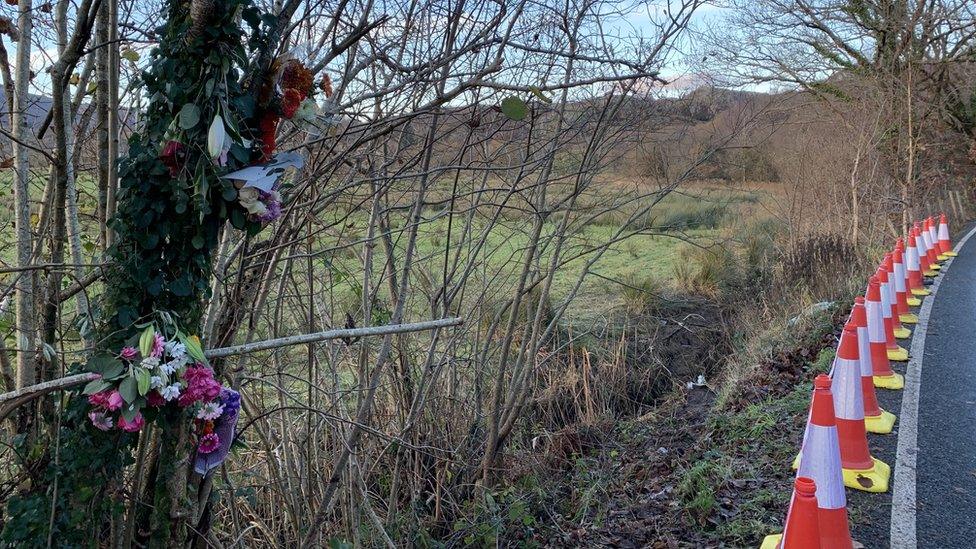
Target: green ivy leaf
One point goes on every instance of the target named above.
(129, 413)
(101, 363)
(180, 287)
(96, 386)
(189, 116)
(197, 242)
(129, 389)
(129, 55)
(514, 108)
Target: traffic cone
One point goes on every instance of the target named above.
(884, 376)
(899, 331)
(895, 352)
(923, 250)
(876, 419)
(901, 292)
(933, 244)
(802, 530)
(821, 462)
(916, 285)
(860, 470)
(945, 245)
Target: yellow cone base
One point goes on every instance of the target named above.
(874, 480)
(909, 318)
(935, 267)
(929, 274)
(898, 355)
(942, 257)
(882, 424)
(950, 254)
(902, 332)
(923, 292)
(894, 382)
(771, 542)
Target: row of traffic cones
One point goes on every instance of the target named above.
(844, 406)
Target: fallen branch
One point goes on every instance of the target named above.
(14, 399)
(350, 333)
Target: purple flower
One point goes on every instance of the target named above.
(129, 353)
(101, 420)
(208, 443)
(231, 400)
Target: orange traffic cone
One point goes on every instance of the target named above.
(860, 470)
(933, 244)
(945, 245)
(916, 285)
(922, 238)
(802, 530)
(820, 461)
(876, 419)
(895, 352)
(899, 331)
(901, 285)
(884, 376)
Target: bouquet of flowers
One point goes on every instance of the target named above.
(161, 372)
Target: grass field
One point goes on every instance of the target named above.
(702, 215)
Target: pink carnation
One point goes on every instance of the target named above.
(129, 353)
(208, 443)
(200, 386)
(132, 426)
(109, 400)
(114, 401)
(158, 343)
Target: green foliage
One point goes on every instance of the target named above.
(169, 214)
(640, 291)
(696, 487)
(514, 108)
(712, 272)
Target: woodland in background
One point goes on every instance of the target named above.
(532, 169)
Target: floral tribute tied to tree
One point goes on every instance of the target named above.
(204, 157)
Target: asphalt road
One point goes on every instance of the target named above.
(946, 472)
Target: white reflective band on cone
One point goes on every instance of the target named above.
(913, 259)
(943, 231)
(886, 300)
(876, 333)
(933, 238)
(864, 352)
(848, 399)
(900, 278)
(820, 461)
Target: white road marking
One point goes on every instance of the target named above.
(903, 504)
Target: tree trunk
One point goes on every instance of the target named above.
(26, 325)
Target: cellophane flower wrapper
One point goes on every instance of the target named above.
(225, 428)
